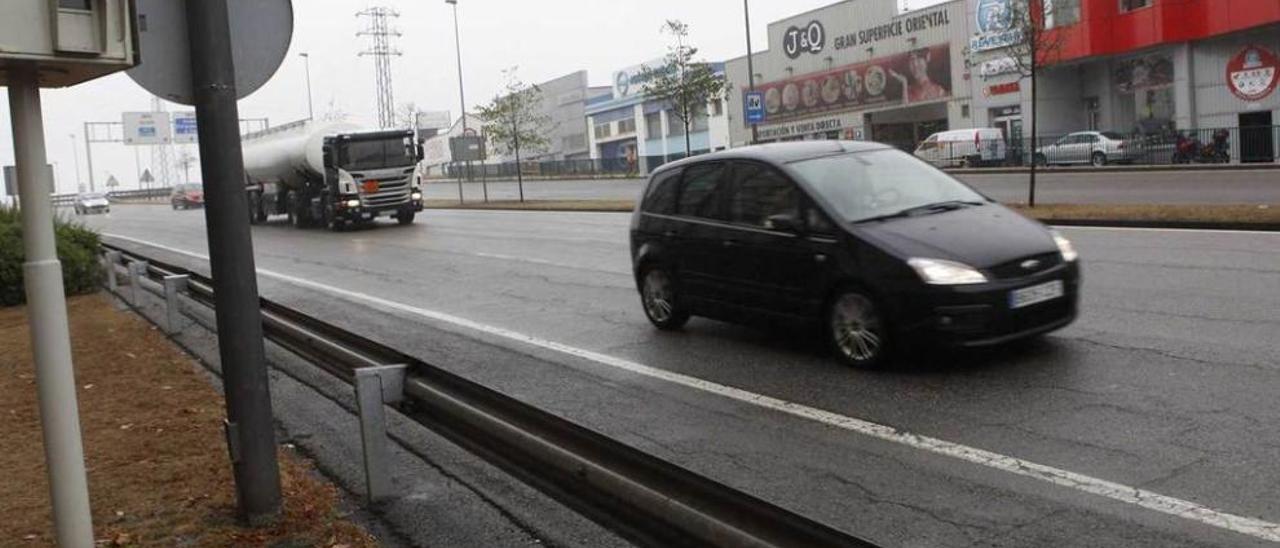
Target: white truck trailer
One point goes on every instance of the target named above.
(331, 175)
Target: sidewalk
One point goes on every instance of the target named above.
(157, 462)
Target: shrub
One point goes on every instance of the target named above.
(78, 249)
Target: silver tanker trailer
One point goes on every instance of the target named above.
(331, 175)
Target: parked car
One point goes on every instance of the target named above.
(187, 196)
(877, 249)
(88, 203)
(974, 147)
(1098, 148)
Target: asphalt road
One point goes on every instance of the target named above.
(1082, 186)
(1167, 383)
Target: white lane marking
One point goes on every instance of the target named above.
(1141, 229)
(1063, 478)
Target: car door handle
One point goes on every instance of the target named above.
(729, 243)
(820, 257)
(669, 234)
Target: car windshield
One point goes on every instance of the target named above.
(377, 154)
(94, 196)
(866, 185)
(187, 188)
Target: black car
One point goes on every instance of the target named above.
(877, 248)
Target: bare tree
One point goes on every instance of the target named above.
(185, 160)
(333, 112)
(1040, 45)
(406, 116)
(683, 83)
(515, 121)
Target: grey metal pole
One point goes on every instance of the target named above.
(250, 431)
(751, 66)
(311, 109)
(75, 153)
(88, 155)
(47, 303)
(462, 94)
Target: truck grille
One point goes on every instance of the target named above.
(390, 192)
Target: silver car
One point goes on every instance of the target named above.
(1098, 148)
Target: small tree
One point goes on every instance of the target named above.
(685, 84)
(1039, 47)
(515, 121)
(406, 116)
(185, 160)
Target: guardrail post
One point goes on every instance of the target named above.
(137, 269)
(112, 259)
(376, 386)
(173, 308)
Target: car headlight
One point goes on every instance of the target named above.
(941, 272)
(353, 203)
(1068, 250)
(416, 196)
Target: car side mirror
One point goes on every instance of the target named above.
(784, 222)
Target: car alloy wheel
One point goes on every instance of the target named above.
(1099, 159)
(658, 294)
(856, 331)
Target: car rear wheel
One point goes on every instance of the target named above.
(1099, 159)
(856, 330)
(659, 296)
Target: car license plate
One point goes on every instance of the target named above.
(1036, 294)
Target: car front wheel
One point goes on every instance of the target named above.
(856, 330)
(1099, 159)
(661, 305)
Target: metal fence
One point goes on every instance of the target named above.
(584, 168)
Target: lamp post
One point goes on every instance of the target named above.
(751, 68)
(75, 152)
(311, 110)
(462, 94)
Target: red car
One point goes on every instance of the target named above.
(187, 196)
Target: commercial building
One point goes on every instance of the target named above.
(630, 132)
(859, 69)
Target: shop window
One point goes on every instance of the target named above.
(675, 126)
(1130, 5)
(653, 125)
(717, 108)
(604, 131)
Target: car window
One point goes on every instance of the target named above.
(1088, 138)
(1066, 140)
(697, 189)
(930, 143)
(661, 195)
(760, 192)
(864, 185)
(817, 222)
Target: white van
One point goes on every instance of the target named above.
(974, 147)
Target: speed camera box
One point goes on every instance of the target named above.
(69, 41)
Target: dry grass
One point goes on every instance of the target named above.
(157, 463)
(538, 205)
(1250, 214)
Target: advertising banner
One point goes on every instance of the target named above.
(918, 76)
(1252, 73)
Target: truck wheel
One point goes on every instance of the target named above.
(405, 217)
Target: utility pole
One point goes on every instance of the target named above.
(250, 429)
(75, 152)
(462, 94)
(382, 51)
(88, 156)
(47, 306)
(751, 66)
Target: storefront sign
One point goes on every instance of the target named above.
(995, 26)
(894, 29)
(631, 80)
(1003, 89)
(998, 67)
(1148, 71)
(917, 76)
(1252, 73)
(754, 104)
(810, 39)
(807, 127)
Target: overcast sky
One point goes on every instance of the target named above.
(544, 38)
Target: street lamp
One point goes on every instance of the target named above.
(462, 95)
(751, 68)
(76, 153)
(311, 111)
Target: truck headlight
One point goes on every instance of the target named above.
(353, 203)
(941, 272)
(1068, 250)
(416, 196)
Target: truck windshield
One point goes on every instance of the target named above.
(378, 154)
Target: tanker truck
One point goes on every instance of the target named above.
(331, 175)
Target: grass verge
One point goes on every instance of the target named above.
(152, 428)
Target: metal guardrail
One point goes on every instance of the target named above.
(645, 499)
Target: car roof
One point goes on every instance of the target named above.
(779, 153)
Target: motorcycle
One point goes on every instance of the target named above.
(1190, 149)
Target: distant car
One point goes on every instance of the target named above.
(187, 196)
(1097, 148)
(869, 246)
(86, 204)
(974, 147)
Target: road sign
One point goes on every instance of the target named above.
(112, 182)
(146, 177)
(754, 104)
(467, 148)
(438, 119)
(260, 34)
(11, 180)
(147, 128)
(185, 130)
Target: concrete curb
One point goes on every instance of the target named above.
(1170, 225)
(1087, 170)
